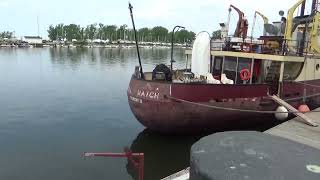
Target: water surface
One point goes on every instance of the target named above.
(56, 104)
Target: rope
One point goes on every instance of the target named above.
(311, 85)
(301, 97)
(232, 109)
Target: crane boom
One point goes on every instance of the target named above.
(265, 19)
(242, 25)
(289, 24)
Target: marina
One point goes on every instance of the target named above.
(125, 45)
(110, 101)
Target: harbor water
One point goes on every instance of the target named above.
(56, 103)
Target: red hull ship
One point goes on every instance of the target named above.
(232, 85)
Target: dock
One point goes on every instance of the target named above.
(296, 130)
(181, 175)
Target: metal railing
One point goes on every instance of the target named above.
(288, 47)
(136, 159)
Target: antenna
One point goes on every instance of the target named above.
(172, 39)
(38, 26)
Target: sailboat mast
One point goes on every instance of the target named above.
(38, 26)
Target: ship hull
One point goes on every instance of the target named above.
(189, 108)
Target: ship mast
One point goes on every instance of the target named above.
(136, 39)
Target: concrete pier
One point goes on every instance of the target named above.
(291, 145)
(298, 131)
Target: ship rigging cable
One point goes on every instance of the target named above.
(232, 109)
(311, 85)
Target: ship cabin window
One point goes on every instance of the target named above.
(232, 66)
(217, 66)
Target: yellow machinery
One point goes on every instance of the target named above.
(312, 30)
(289, 24)
(314, 38)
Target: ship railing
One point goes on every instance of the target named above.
(296, 48)
(135, 159)
(288, 48)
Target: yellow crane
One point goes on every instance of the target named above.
(289, 24)
(314, 44)
(313, 31)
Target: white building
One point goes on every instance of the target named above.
(32, 39)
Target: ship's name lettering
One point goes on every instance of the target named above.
(137, 100)
(148, 94)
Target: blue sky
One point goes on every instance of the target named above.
(196, 15)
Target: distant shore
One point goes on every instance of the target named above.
(124, 45)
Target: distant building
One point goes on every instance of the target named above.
(32, 39)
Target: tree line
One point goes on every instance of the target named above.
(6, 34)
(115, 33)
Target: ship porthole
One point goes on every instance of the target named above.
(317, 67)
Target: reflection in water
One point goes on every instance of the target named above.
(164, 154)
(167, 154)
(57, 103)
(115, 56)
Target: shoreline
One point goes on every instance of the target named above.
(109, 46)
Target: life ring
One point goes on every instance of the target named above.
(245, 74)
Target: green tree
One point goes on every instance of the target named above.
(6, 34)
(216, 34)
(72, 31)
(143, 34)
(121, 32)
(60, 31)
(159, 33)
(110, 32)
(100, 31)
(90, 31)
(56, 32)
(52, 33)
(184, 36)
(82, 34)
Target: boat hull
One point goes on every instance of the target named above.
(185, 108)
